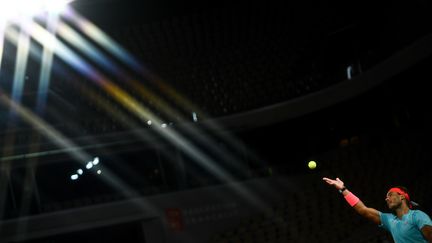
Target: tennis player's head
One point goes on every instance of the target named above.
(398, 197)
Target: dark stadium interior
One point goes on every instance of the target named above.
(208, 138)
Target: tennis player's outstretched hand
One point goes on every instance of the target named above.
(338, 184)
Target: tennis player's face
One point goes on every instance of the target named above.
(394, 200)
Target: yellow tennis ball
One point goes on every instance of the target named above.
(312, 165)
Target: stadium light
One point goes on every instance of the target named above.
(29, 8)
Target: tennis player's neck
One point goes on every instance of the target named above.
(401, 211)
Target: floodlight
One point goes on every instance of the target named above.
(17, 9)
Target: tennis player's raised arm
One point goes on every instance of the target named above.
(369, 213)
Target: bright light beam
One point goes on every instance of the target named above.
(86, 47)
(20, 66)
(91, 51)
(2, 30)
(109, 44)
(62, 142)
(40, 125)
(42, 36)
(145, 136)
(101, 38)
(47, 59)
